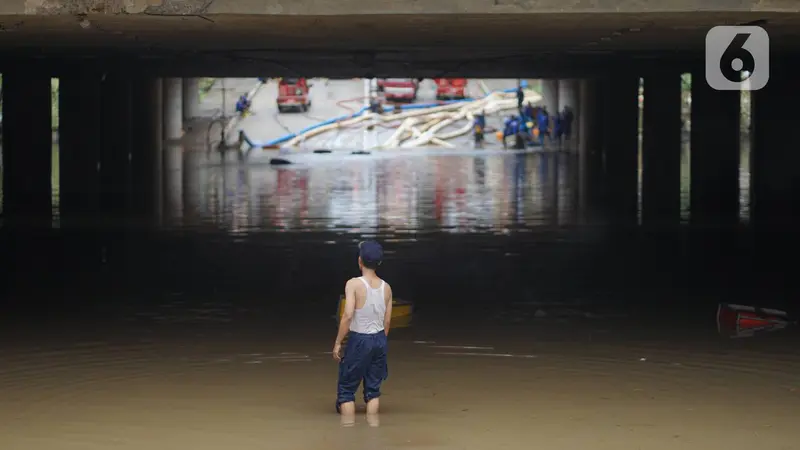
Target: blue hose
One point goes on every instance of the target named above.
(413, 106)
(291, 136)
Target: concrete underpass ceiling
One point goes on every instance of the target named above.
(417, 43)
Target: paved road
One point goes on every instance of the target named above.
(332, 98)
(213, 101)
(211, 105)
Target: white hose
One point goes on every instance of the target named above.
(417, 133)
(423, 126)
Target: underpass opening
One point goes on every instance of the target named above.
(223, 267)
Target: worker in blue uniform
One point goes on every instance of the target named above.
(513, 128)
(375, 105)
(567, 120)
(243, 105)
(479, 127)
(528, 112)
(558, 128)
(543, 123)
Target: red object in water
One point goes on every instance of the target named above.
(450, 88)
(745, 321)
(293, 93)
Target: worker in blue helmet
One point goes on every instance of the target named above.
(513, 128)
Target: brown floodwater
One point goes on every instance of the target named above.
(535, 325)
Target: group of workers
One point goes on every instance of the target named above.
(534, 124)
(531, 126)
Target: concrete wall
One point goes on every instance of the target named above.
(356, 7)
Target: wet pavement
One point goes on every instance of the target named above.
(534, 322)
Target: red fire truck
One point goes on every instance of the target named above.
(450, 88)
(293, 94)
(399, 89)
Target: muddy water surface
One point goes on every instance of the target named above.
(535, 326)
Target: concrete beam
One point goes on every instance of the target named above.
(359, 7)
(321, 64)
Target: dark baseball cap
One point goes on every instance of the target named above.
(370, 251)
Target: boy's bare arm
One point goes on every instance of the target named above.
(349, 309)
(387, 317)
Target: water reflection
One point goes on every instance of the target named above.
(347, 420)
(457, 193)
(374, 420)
(173, 185)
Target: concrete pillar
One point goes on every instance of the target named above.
(146, 161)
(173, 185)
(599, 126)
(554, 204)
(715, 150)
(116, 135)
(661, 149)
(584, 117)
(193, 199)
(775, 165)
(569, 94)
(620, 100)
(569, 97)
(550, 95)
(589, 155)
(80, 147)
(173, 109)
(191, 98)
(229, 203)
(27, 148)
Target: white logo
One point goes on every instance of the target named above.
(737, 58)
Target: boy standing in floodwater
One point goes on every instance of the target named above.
(365, 322)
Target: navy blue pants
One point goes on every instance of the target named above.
(364, 361)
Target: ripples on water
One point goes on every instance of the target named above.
(227, 317)
(500, 235)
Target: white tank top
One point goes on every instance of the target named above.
(369, 318)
